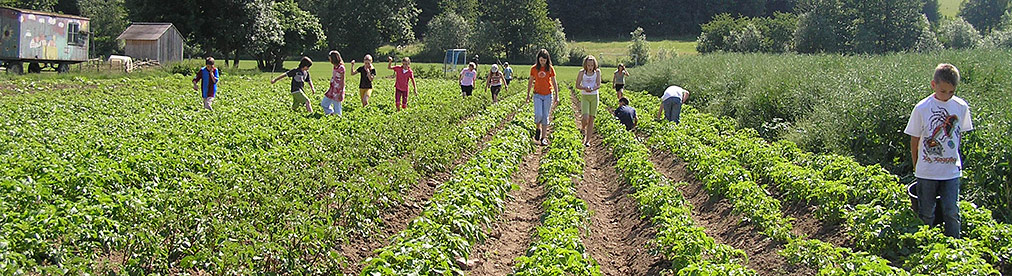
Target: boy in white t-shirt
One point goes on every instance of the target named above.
(936, 129)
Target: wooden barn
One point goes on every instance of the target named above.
(153, 41)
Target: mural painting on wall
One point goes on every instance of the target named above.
(46, 37)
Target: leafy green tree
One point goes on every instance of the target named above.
(639, 50)
(357, 27)
(985, 15)
(108, 20)
(823, 27)
(299, 31)
(931, 10)
(886, 25)
(958, 34)
(40, 5)
(525, 27)
(447, 31)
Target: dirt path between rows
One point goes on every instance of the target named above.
(618, 237)
(715, 216)
(512, 233)
(398, 217)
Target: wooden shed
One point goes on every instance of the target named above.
(153, 41)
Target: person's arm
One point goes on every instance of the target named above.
(626, 72)
(390, 65)
(309, 80)
(279, 77)
(502, 79)
(579, 83)
(555, 96)
(530, 84)
(613, 78)
(353, 70)
(413, 86)
(215, 76)
(915, 143)
(660, 110)
(598, 80)
(685, 97)
(371, 74)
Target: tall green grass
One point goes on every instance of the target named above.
(854, 105)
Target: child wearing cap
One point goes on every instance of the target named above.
(495, 82)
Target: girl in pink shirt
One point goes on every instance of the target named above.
(403, 74)
(335, 95)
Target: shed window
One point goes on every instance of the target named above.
(75, 36)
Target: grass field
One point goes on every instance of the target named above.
(609, 51)
(949, 8)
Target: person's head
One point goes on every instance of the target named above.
(495, 68)
(589, 64)
(471, 66)
(505, 65)
(621, 66)
(544, 61)
(945, 81)
(406, 62)
(335, 58)
(209, 62)
(305, 63)
(623, 101)
(367, 59)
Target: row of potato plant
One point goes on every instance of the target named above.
(462, 208)
(147, 182)
(679, 239)
(802, 184)
(558, 248)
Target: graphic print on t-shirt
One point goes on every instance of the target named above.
(944, 134)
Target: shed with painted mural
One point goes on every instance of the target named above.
(153, 41)
(44, 40)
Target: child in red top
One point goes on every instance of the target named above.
(335, 95)
(403, 74)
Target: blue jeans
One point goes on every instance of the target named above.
(542, 108)
(673, 109)
(327, 103)
(927, 190)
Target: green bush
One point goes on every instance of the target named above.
(853, 105)
(760, 34)
(958, 34)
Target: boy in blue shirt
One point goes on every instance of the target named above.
(626, 114)
(208, 78)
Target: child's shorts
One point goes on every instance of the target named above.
(466, 89)
(495, 90)
(299, 99)
(365, 91)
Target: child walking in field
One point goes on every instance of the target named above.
(507, 72)
(619, 79)
(588, 81)
(300, 77)
(368, 72)
(208, 78)
(936, 129)
(495, 82)
(403, 74)
(332, 100)
(466, 78)
(545, 85)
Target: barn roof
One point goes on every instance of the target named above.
(145, 31)
(45, 13)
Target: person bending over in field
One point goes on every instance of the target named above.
(496, 82)
(467, 78)
(619, 79)
(331, 101)
(671, 103)
(368, 72)
(403, 74)
(544, 84)
(300, 77)
(936, 129)
(626, 114)
(208, 78)
(588, 81)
